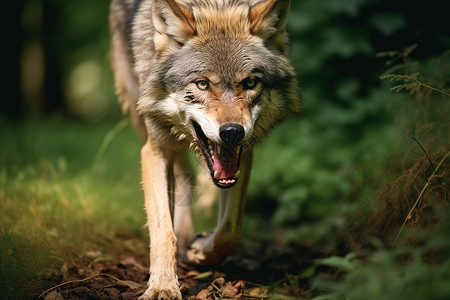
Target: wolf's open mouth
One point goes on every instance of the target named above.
(222, 160)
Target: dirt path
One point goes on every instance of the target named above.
(254, 271)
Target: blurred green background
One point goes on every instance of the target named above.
(68, 169)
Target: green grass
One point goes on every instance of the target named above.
(55, 204)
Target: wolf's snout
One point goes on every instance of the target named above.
(232, 134)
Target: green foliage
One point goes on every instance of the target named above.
(414, 207)
(346, 263)
(406, 272)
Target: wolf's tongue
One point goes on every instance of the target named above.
(225, 163)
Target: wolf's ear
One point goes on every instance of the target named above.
(268, 21)
(174, 24)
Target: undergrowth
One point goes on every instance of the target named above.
(398, 241)
(408, 272)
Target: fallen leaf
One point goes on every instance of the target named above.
(54, 295)
(233, 289)
(219, 281)
(203, 294)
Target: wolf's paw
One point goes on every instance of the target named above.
(161, 292)
(200, 252)
(205, 250)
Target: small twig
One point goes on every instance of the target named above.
(429, 87)
(66, 283)
(418, 199)
(424, 151)
(80, 280)
(115, 278)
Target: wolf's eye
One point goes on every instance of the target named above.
(202, 85)
(249, 84)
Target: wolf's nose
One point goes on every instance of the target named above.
(232, 134)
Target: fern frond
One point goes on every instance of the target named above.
(411, 83)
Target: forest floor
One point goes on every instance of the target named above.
(254, 271)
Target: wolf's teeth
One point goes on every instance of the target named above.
(219, 148)
(227, 181)
(236, 176)
(216, 175)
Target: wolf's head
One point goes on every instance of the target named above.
(219, 76)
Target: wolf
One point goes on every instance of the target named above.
(212, 76)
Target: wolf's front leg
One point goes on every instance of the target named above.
(163, 282)
(212, 248)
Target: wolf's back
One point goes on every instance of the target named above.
(121, 16)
